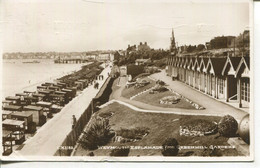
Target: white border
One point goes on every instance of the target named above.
(179, 159)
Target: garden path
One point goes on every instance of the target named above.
(212, 106)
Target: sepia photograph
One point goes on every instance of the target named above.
(119, 80)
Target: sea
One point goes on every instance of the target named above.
(18, 76)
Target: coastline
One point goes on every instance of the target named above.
(52, 134)
(32, 87)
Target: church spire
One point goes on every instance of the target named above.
(173, 45)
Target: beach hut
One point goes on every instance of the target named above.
(38, 116)
(6, 103)
(243, 82)
(54, 88)
(69, 95)
(44, 104)
(6, 114)
(60, 93)
(46, 93)
(84, 81)
(7, 142)
(64, 85)
(214, 70)
(13, 108)
(41, 88)
(27, 117)
(29, 93)
(228, 82)
(30, 100)
(59, 86)
(49, 83)
(46, 107)
(21, 94)
(57, 99)
(79, 85)
(55, 108)
(40, 97)
(15, 100)
(74, 91)
(17, 127)
(22, 98)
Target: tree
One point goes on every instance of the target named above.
(200, 47)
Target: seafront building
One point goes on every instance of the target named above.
(226, 77)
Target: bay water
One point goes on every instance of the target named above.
(18, 76)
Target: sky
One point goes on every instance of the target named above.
(84, 25)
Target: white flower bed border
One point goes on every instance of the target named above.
(187, 132)
(197, 106)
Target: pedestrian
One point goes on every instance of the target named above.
(74, 120)
(96, 85)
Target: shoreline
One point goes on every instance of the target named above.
(54, 132)
(33, 87)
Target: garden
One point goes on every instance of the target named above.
(117, 130)
(142, 84)
(161, 96)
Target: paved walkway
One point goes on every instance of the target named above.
(51, 135)
(213, 107)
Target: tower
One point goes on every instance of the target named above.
(173, 49)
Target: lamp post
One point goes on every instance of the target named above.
(234, 46)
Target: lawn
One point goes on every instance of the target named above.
(161, 126)
(153, 99)
(129, 92)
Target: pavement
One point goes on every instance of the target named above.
(50, 136)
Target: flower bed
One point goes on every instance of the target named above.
(197, 106)
(198, 128)
(158, 89)
(131, 135)
(170, 100)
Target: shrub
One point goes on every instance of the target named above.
(106, 115)
(170, 147)
(135, 133)
(99, 133)
(160, 88)
(120, 152)
(141, 76)
(227, 126)
(162, 83)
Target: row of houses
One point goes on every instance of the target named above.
(222, 78)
